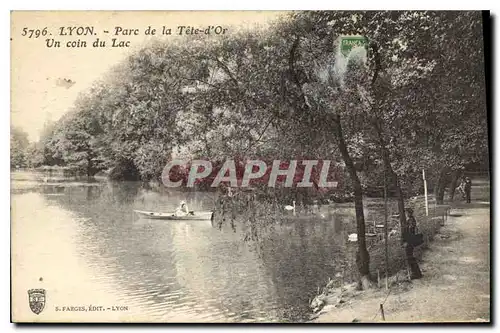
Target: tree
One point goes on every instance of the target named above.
(289, 93)
(76, 140)
(18, 148)
(391, 89)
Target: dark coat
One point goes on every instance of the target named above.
(468, 185)
(411, 228)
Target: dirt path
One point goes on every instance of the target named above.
(456, 283)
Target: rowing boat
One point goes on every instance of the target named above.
(172, 217)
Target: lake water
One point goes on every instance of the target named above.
(83, 242)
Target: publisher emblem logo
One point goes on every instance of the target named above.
(36, 300)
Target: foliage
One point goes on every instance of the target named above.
(18, 148)
(412, 99)
(256, 94)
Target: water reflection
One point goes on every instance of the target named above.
(190, 271)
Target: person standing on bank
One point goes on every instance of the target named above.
(411, 240)
(461, 188)
(467, 188)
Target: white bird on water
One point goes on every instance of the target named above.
(292, 208)
(353, 237)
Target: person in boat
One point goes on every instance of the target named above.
(409, 243)
(182, 210)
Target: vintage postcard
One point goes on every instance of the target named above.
(250, 166)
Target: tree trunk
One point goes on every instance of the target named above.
(455, 175)
(412, 262)
(89, 168)
(392, 175)
(395, 182)
(401, 202)
(376, 122)
(441, 186)
(362, 255)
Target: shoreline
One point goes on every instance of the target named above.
(455, 286)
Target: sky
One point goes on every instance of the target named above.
(45, 81)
